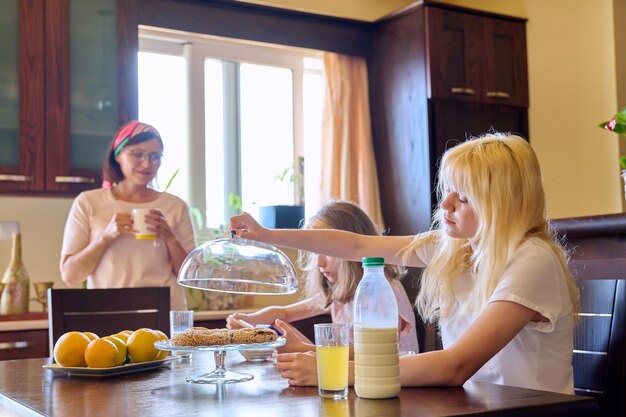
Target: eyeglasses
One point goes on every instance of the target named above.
(138, 155)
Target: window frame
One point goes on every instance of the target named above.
(195, 49)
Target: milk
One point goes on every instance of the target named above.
(377, 365)
(375, 313)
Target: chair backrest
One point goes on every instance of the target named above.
(107, 311)
(599, 349)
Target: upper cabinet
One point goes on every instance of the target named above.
(476, 58)
(61, 106)
(21, 95)
(439, 74)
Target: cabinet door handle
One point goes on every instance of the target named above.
(15, 345)
(498, 94)
(16, 178)
(74, 180)
(463, 90)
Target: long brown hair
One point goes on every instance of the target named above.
(340, 215)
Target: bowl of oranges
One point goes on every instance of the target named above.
(127, 351)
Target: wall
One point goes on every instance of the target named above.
(42, 221)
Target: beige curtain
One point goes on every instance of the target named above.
(348, 163)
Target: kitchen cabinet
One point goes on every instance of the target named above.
(476, 58)
(438, 75)
(63, 108)
(23, 336)
(24, 344)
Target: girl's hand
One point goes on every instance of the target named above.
(299, 368)
(237, 321)
(158, 224)
(119, 223)
(246, 227)
(296, 341)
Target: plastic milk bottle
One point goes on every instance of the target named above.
(376, 358)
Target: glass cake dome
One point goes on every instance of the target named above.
(236, 265)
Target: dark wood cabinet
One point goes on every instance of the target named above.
(438, 75)
(476, 58)
(68, 102)
(24, 344)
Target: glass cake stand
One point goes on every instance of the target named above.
(220, 375)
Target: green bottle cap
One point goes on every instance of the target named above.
(373, 261)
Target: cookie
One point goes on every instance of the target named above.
(252, 335)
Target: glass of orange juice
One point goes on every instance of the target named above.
(332, 344)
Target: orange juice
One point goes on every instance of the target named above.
(332, 367)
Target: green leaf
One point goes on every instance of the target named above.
(171, 179)
(196, 216)
(235, 202)
(622, 161)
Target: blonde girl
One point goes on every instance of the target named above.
(495, 281)
(331, 283)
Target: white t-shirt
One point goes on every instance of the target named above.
(540, 355)
(128, 262)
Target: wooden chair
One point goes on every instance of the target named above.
(599, 348)
(107, 311)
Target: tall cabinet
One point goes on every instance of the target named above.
(440, 74)
(58, 94)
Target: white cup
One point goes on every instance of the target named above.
(139, 224)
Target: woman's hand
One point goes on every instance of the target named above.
(298, 368)
(247, 228)
(119, 223)
(158, 224)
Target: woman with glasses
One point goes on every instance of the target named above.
(99, 243)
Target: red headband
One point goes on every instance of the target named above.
(126, 133)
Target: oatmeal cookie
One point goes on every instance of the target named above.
(252, 335)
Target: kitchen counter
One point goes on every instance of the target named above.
(39, 321)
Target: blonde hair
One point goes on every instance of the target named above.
(340, 215)
(501, 179)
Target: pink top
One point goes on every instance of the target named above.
(342, 313)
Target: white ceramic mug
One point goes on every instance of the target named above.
(139, 224)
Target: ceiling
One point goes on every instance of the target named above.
(365, 10)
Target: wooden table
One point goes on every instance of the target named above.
(28, 389)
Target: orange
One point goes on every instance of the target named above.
(123, 336)
(91, 335)
(101, 353)
(121, 349)
(69, 350)
(162, 336)
(140, 345)
(128, 332)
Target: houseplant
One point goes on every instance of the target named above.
(617, 124)
(283, 216)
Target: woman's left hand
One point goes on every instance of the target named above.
(298, 368)
(158, 224)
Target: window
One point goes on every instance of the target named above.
(236, 118)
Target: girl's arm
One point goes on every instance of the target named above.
(292, 312)
(336, 243)
(496, 326)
